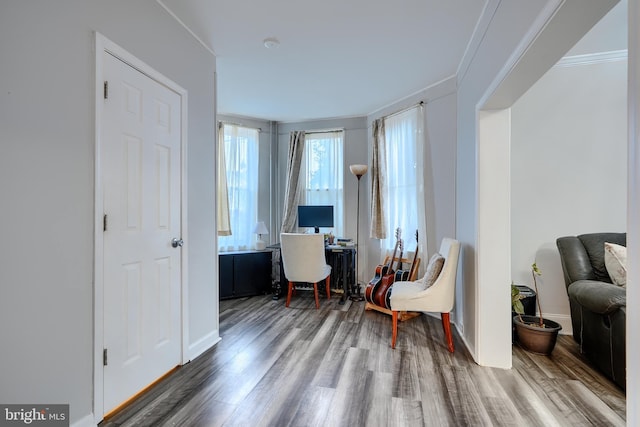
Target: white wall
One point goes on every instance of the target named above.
(568, 168)
(440, 171)
(515, 43)
(493, 248)
(501, 28)
(47, 190)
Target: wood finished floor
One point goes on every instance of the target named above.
(334, 367)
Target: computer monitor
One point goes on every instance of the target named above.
(315, 216)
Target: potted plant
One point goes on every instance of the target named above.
(535, 333)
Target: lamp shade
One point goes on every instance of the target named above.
(260, 228)
(358, 170)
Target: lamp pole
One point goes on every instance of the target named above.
(358, 171)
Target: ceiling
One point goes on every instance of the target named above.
(337, 58)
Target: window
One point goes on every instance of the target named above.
(241, 164)
(404, 201)
(322, 168)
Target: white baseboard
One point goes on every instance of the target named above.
(470, 349)
(202, 345)
(86, 421)
(564, 320)
(460, 331)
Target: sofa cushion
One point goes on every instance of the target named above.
(615, 259)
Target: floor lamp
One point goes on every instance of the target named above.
(358, 171)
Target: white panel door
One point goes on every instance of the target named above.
(141, 145)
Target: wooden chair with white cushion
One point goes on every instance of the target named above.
(304, 261)
(421, 295)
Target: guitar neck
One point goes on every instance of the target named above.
(415, 258)
(399, 263)
(395, 249)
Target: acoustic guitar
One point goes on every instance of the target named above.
(387, 280)
(381, 271)
(402, 275)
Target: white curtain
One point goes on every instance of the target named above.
(323, 169)
(404, 184)
(241, 158)
(224, 224)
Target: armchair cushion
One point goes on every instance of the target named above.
(407, 290)
(433, 271)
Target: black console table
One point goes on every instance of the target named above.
(244, 273)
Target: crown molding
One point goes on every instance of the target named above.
(186, 27)
(592, 58)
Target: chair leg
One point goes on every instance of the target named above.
(446, 325)
(327, 285)
(289, 292)
(394, 328)
(315, 294)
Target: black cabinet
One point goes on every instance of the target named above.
(244, 273)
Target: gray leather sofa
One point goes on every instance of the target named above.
(598, 307)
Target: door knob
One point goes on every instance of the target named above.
(175, 242)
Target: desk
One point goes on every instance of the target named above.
(342, 262)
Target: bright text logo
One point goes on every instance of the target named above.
(34, 415)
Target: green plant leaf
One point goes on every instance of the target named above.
(516, 304)
(535, 269)
(518, 307)
(514, 291)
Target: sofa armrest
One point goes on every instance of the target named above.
(575, 261)
(598, 297)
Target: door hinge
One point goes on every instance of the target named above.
(104, 357)
(106, 89)
(104, 222)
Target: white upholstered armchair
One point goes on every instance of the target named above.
(304, 260)
(438, 297)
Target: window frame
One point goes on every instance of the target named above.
(338, 201)
(242, 237)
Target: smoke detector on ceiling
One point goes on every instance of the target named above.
(271, 42)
